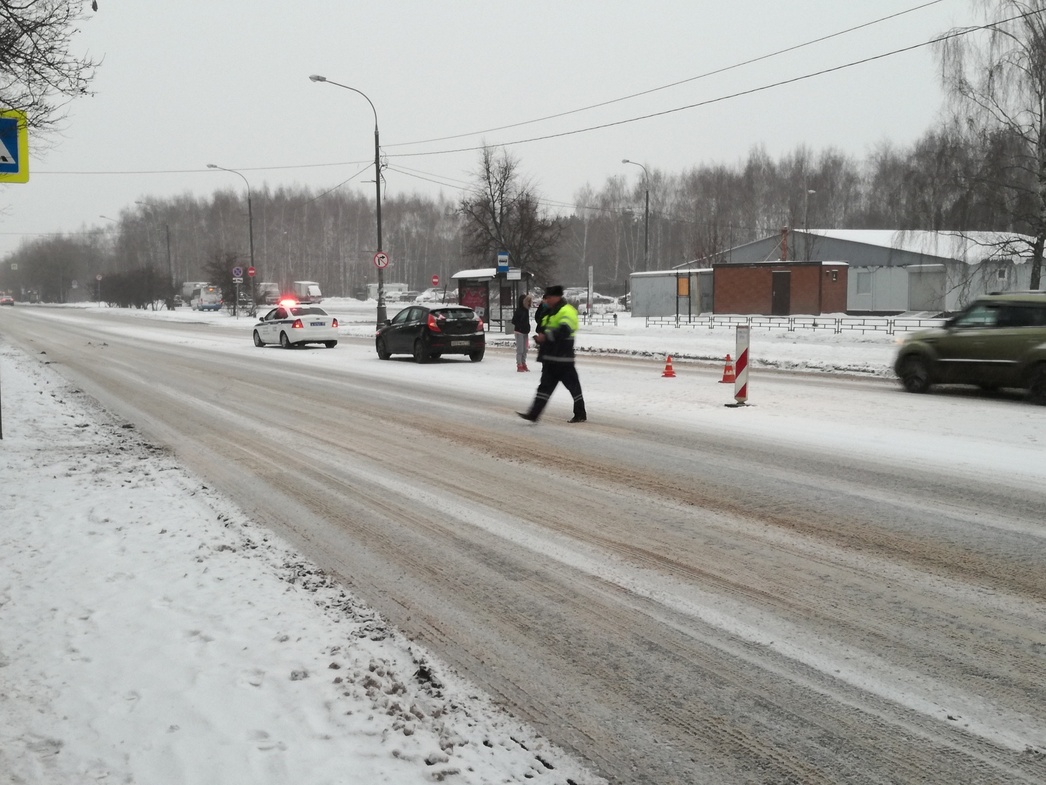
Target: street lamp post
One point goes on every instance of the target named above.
(381, 315)
(250, 223)
(646, 214)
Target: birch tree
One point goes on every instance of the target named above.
(503, 213)
(996, 76)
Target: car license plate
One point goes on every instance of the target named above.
(459, 343)
(317, 324)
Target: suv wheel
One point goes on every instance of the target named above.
(915, 375)
(1037, 384)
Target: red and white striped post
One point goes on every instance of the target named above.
(741, 367)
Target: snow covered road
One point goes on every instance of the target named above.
(840, 583)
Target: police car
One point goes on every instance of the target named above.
(293, 324)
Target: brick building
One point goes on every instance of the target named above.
(780, 288)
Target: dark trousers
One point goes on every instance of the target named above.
(552, 373)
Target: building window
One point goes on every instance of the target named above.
(864, 283)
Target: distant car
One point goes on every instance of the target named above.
(292, 324)
(7, 299)
(267, 293)
(430, 331)
(437, 295)
(998, 341)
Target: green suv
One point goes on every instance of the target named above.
(998, 341)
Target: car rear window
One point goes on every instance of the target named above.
(455, 314)
(308, 311)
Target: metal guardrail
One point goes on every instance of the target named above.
(835, 324)
(605, 319)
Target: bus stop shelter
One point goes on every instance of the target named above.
(492, 294)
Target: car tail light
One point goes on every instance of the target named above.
(297, 325)
(432, 324)
(334, 322)
(479, 325)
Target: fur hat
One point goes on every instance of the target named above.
(553, 291)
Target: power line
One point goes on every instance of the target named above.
(705, 75)
(429, 177)
(720, 99)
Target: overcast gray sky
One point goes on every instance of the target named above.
(192, 82)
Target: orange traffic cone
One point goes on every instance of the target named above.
(669, 373)
(728, 372)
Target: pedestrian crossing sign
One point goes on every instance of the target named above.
(14, 147)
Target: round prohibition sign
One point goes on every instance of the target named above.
(381, 259)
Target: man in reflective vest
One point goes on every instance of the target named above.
(557, 327)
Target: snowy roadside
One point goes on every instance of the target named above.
(150, 633)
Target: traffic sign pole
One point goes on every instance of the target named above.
(237, 278)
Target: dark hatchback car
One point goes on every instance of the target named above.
(429, 331)
(998, 341)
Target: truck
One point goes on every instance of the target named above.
(308, 292)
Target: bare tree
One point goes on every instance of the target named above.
(38, 70)
(997, 76)
(503, 214)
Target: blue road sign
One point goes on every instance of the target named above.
(14, 147)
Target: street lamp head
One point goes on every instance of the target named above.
(213, 166)
(636, 163)
(317, 78)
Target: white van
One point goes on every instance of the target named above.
(206, 298)
(308, 292)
